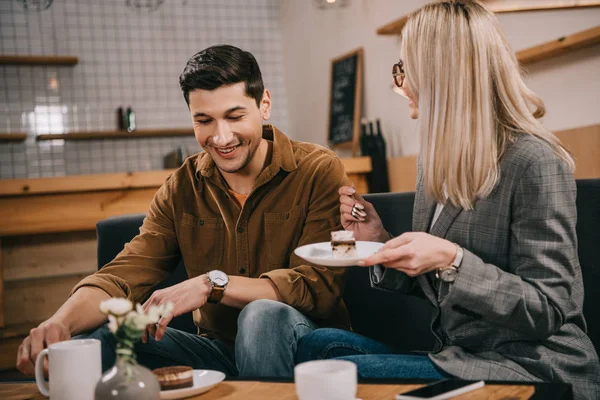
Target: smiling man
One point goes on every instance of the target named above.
(234, 213)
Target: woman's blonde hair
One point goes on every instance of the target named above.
(471, 96)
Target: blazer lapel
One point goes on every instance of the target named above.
(445, 220)
(428, 290)
(440, 228)
(423, 209)
(422, 214)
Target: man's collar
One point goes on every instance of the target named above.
(283, 155)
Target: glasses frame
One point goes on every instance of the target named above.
(398, 72)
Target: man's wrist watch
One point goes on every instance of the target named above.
(218, 280)
(449, 273)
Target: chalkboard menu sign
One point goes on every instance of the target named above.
(345, 99)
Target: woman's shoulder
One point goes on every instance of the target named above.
(526, 152)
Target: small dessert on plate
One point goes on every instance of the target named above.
(174, 377)
(343, 244)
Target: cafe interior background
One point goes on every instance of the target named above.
(67, 66)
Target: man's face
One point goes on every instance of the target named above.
(228, 124)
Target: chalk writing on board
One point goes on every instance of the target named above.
(343, 92)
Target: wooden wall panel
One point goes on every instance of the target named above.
(49, 255)
(35, 300)
(584, 144)
(357, 165)
(84, 183)
(8, 353)
(360, 183)
(21, 215)
(403, 173)
(1, 288)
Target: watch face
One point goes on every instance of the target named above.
(448, 274)
(219, 278)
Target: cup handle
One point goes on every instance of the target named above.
(42, 384)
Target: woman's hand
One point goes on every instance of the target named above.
(414, 253)
(365, 223)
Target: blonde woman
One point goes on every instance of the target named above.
(494, 245)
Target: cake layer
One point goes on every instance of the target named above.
(174, 377)
(342, 236)
(344, 251)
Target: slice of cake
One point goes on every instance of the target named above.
(343, 244)
(178, 377)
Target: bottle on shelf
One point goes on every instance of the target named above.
(365, 148)
(379, 140)
(121, 119)
(380, 168)
(373, 145)
(130, 120)
(371, 130)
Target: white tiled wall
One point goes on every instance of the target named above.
(126, 58)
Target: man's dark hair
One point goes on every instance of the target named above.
(222, 65)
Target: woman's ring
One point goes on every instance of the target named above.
(356, 213)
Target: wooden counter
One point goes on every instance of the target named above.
(76, 203)
(48, 238)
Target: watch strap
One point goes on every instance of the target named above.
(459, 257)
(454, 266)
(216, 294)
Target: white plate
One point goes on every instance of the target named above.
(204, 380)
(321, 253)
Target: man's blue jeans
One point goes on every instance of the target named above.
(268, 334)
(372, 358)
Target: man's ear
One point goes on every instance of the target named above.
(265, 105)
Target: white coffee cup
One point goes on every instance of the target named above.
(74, 366)
(326, 380)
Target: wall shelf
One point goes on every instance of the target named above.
(502, 6)
(394, 27)
(38, 60)
(118, 134)
(13, 137)
(506, 6)
(560, 46)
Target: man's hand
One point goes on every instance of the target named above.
(44, 335)
(186, 296)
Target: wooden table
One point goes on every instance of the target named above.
(252, 390)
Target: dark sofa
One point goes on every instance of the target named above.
(393, 318)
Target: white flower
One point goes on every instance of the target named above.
(154, 313)
(137, 320)
(120, 312)
(116, 306)
(113, 325)
(141, 318)
(139, 309)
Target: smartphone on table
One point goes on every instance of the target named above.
(441, 390)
